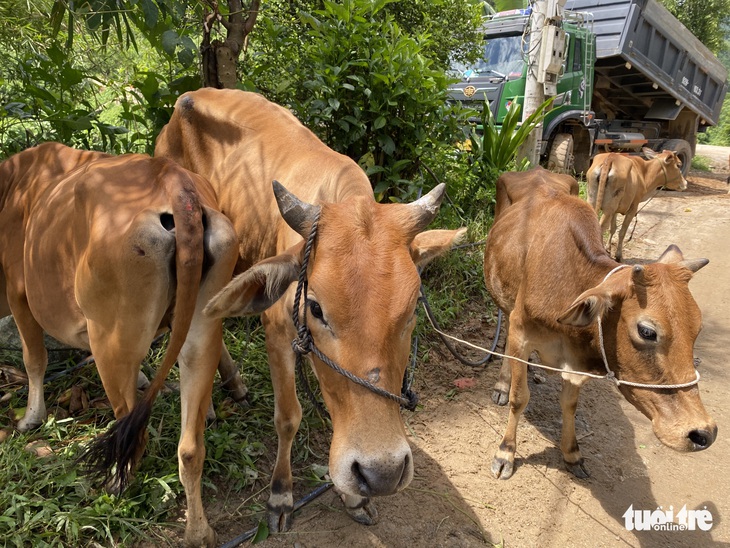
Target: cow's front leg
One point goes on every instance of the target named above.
(361, 509)
(568, 442)
(287, 413)
(231, 380)
(503, 463)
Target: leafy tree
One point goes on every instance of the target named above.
(704, 18)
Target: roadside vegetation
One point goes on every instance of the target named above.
(370, 78)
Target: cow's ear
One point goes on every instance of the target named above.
(428, 245)
(649, 153)
(586, 308)
(259, 287)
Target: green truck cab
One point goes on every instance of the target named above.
(632, 76)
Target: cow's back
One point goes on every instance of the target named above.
(241, 142)
(538, 242)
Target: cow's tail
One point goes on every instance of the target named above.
(112, 457)
(602, 180)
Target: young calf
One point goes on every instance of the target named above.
(618, 183)
(104, 253)
(546, 268)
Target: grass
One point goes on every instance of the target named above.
(48, 502)
(701, 163)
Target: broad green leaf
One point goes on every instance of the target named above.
(170, 40)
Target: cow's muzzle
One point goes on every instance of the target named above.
(373, 476)
(701, 438)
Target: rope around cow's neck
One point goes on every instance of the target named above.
(304, 343)
(610, 375)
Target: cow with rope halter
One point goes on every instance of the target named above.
(587, 315)
(356, 266)
(618, 183)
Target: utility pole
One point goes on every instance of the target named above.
(546, 52)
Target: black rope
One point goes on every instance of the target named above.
(447, 342)
(297, 505)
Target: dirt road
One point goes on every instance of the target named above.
(455, 501)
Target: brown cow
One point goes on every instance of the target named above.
(363, 278)
(617, 183)
(544, 265)
(103, 253)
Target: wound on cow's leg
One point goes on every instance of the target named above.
(500, 394)
(568, 441)
(361, 509)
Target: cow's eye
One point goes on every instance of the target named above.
(647, 333)
(316, 310)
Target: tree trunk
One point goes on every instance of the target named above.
(219, 58)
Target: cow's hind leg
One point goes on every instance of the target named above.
(35, 358)
(628, 217)
(503, 463)
(198, 362)
(118, 350)
(568, 441)
(199, 357)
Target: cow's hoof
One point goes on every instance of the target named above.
(208, 538)
(500, 397)
(28, 425)
(361, 509)
(578, 469)
(237, 390)
(502, 468)
(279, 518)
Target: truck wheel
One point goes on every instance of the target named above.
(683, 150)
(560, 159)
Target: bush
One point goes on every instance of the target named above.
(370, 93)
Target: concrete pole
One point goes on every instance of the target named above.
(534, 91)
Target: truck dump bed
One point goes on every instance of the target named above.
(648, 65)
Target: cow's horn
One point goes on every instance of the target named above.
(297, 214)
(637, 273)
(426, 207)
(694, 264)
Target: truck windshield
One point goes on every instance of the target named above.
(503, 57)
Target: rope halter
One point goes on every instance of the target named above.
(610, 375)
(304, 343)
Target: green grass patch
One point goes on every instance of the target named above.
(701, 163)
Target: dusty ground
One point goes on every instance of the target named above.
(455, 501)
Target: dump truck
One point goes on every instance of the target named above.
(632, 76)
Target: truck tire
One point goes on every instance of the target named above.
(683, 150)
(560, 159)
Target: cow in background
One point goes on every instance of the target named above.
(363, 279)
(104, 253)
(546, 268)
(617, 183)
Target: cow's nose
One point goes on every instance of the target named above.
(382, 478)
(702, 439)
